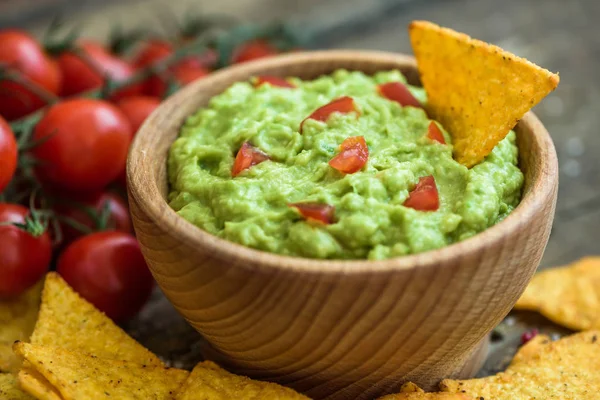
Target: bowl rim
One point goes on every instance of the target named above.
(258, 260)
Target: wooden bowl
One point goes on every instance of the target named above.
(337, 329)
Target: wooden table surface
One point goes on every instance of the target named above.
(561, 36)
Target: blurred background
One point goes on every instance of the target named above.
(560, 35)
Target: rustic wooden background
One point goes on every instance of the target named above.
(561, 35)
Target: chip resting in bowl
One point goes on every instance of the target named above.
(477, 91)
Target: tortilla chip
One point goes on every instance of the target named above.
(530, 349)
(9, 389)
(80, 376)
(36, 385)
(210, 382)
(427, 396)
(567, 369)
(477, 91)
(569, 296)
(17, 318)
(410, 391)
(68, 321)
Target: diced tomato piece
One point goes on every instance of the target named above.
(353, 155)
(343, 105)
(246, 157)
(398, 92)
(273, 81)
(316, 211)
(253, 50)
(424, 197)
(434, 133)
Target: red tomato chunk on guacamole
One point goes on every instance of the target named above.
(346, 166)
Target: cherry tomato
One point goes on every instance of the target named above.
(8, 154)
(246, 157)
(398, 92)
(21, 53)
(108, 270)
(273, 81)
(79, 209)
(319, 212)
(137, 109)
(80, 76)
(184, 71)
(434, 133)
(424, 197)
(353, 155)
(343, 105)
(25, 256)
(253, 50)
(84, 144)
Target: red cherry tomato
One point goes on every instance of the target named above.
(8, 154)
(343, 105)
(108, 270)
(22, 53)
(185, 71)
(424, 197)
(253, 50)
(434, 133)
(137, 109)
(273, 81)
(25, 257)
(353, 155)
(246, 157)
(319, 212)
(84, 144)
(80, 76)
(79, 209)
(398, 92)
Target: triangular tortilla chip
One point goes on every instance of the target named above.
(209, 381)
(530, 349)
(410, 391)
(567, 369)
(17, 318)
(36, 385)
(9, 389)
(477, 91)
(80, 376)
(569, 296)
(68, 321)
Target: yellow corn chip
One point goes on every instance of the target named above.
(210, 382)
(477, 91)
(9, 389)
(529, 350)
(36, 385)
(568, 369)
(17, 318)
(79, 376)
(410, 391)
(68, 321)
(569, 296)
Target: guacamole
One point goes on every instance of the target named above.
(372, 219)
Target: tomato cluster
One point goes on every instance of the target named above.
(67, 119)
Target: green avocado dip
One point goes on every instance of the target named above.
(371, 218)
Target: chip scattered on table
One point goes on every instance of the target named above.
(35, 384)
(68, 321)
(210, 382)
(80, 376)
(9, 388)
(530, 349)
(477, 91)
(567, 369)
(410, 391)
(17, 318)
(568, 296)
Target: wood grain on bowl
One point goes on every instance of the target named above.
(337, 329)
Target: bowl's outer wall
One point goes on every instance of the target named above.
(327, 328)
